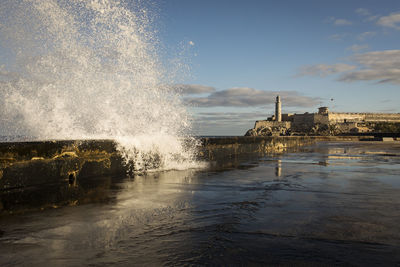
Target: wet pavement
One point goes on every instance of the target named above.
(328, 204)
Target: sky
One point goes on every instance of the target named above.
(237, 56)
(340, 54)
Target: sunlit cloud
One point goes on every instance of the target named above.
(193, 89)
(365, 35)
(362, 11)
(323, 70)
(342, 22)
(357, 48)
(337, 21)
(249, 97)
(391, 21)
(381, 66)
(337, 36)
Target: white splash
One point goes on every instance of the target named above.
(79, 69)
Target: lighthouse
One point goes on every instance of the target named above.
(278, 111)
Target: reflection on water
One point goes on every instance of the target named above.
(278, 168)
(328, 204)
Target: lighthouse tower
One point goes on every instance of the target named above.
(278, 111)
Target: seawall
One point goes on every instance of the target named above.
(54, 173)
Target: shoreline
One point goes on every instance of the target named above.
(37, 175)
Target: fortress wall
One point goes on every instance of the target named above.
(322, 119)
(349, 117)
(262, 124)
(287, 117)
(382, 117)
(303, 119)
(359, 117)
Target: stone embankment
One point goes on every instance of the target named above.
(53, 173)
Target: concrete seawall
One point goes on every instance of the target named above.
(54, 173)
(221, 149)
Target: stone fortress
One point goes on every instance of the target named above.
(324, 122)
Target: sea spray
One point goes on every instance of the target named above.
(83, 69)
(158, 152)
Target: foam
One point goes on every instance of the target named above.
(88, 70)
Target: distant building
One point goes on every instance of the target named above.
(322, 122)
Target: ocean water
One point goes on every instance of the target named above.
(326, 204)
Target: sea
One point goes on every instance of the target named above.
(331, 203)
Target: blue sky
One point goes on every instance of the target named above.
(242, 53)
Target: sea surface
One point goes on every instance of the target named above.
(327, 204)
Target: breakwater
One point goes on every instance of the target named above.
(55, 173)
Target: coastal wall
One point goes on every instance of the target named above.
(55, 173)
(335, 117)
(232, 150)
(359, 117)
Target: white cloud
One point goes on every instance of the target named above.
(372, 18)
(362, 11)
(228, 117)
(329, 20)
(342, 22)
(379, 59)
(357, 48)
(337, 37)
(324, 69)
(337, 22)
(365, 35)
(194, 89)
(365, 13)
(381, 66)
(249, 97)
(391, 21)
